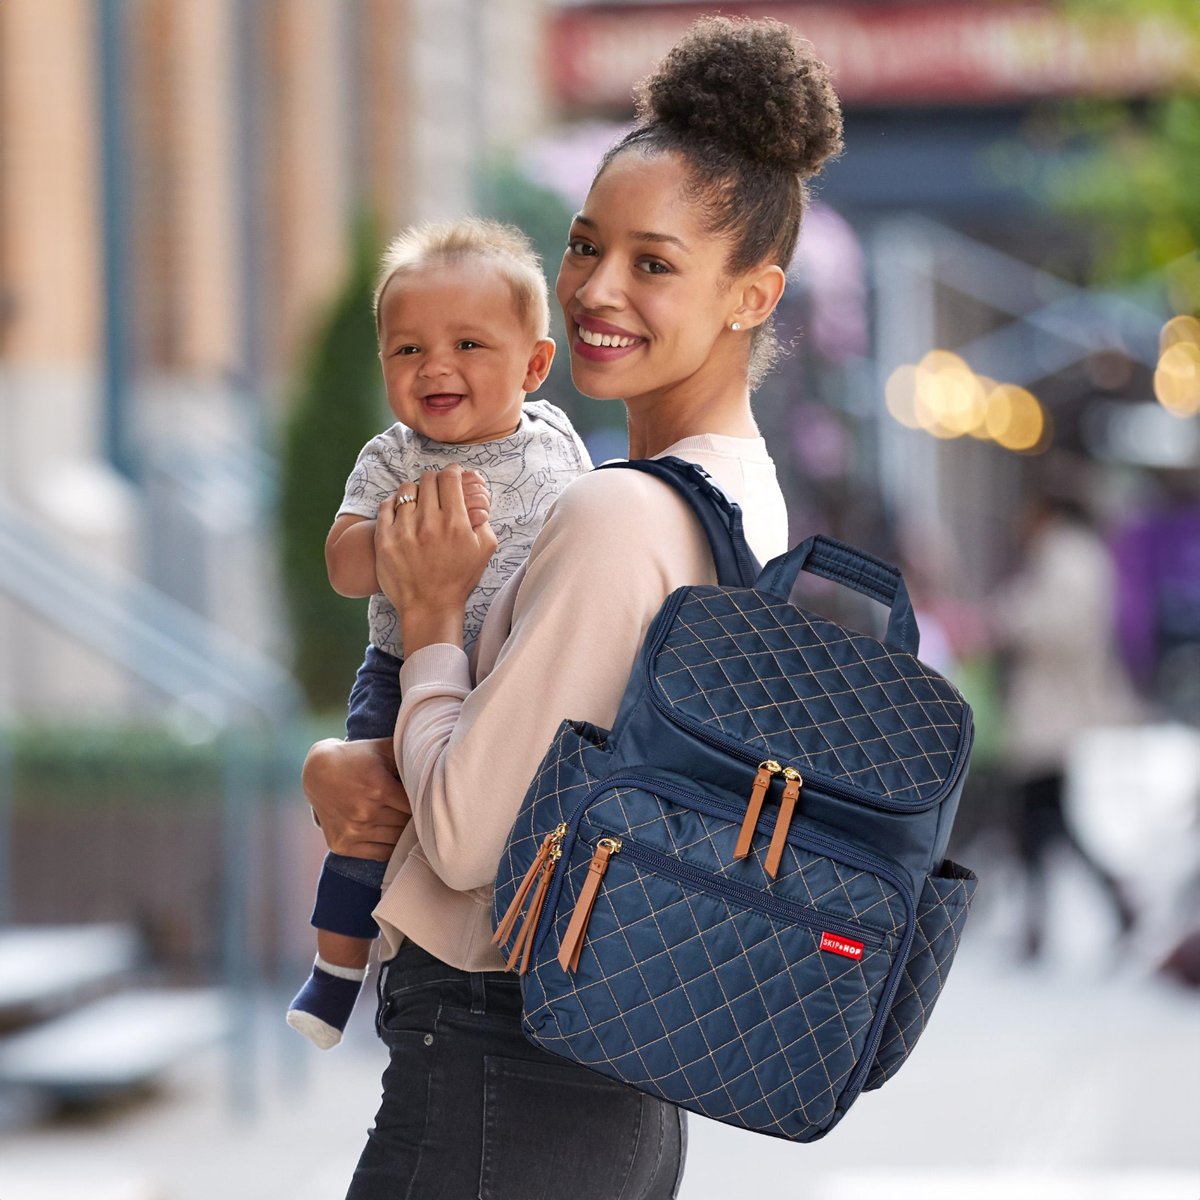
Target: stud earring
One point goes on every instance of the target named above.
(736, 326)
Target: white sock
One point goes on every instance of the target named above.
(322, 1035)
(358, 974)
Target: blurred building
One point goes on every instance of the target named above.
(947, 147)
(178, 179)
(178, 182)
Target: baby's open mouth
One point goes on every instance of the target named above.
(442, 401)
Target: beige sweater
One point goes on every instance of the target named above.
(559, 641)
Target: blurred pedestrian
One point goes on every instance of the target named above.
(670, 276)
(1158, 595)
(1054, 623)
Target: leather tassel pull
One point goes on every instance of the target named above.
(523, 946)
(539, 873)
(572, 943)
(758, 792)
(514, 909)
(787, 806)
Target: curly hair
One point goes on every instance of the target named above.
(753, 114)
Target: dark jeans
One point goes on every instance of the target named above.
(472, 1111)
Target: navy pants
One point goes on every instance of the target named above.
(472, 1111)
(373, 708)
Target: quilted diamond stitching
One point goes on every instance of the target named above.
(692, 1079)
(832, 694)
(941, 915)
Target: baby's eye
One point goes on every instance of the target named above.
(468, 344)
(583, 248)
(652, 266)
(406, 349)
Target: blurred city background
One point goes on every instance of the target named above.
(992, 378)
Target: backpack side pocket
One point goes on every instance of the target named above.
(941, 914)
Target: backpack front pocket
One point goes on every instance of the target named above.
(739, 1004)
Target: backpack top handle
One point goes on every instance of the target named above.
(856, 569)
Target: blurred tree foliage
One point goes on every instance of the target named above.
(338, 406)
(1133, 176)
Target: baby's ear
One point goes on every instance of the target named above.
(539, 364)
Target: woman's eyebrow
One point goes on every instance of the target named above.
(645, 235)
(637, 235)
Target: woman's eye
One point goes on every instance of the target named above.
(580, 247)
(653, 267)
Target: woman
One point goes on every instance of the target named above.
(670, 276)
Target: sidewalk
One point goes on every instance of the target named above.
(1030, 1083)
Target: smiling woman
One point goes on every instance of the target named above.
(671, 272)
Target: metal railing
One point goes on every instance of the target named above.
(229, 685)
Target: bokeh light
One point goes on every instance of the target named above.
(899, 394)
(942, 396)
(1179, 329)
(1177, 379)
(1015, 419)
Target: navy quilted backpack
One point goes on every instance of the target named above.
(737, 900)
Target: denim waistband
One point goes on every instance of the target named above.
(412, 966)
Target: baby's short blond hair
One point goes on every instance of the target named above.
(505, 246)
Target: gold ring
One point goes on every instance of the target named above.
(406, 500)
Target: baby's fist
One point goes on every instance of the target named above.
(478, 497)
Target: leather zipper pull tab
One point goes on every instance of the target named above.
(523, 946)
(758, 792)
(572, 943)
(514, 909)
(787, 806)
(539, 873)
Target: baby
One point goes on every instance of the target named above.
(462, 315)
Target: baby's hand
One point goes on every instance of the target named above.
(478, 498)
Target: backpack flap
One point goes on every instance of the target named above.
(875, 735)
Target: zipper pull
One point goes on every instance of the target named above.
(762, 781)
(572, 943)
(539, 871)
(787, 806)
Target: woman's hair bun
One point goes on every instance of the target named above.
(750, 87)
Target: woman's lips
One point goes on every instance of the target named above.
(621, 343)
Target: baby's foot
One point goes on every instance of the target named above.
(324, 1004)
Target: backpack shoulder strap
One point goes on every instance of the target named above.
(719, 516)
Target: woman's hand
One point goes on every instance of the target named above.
(428, 557)
(356, 794)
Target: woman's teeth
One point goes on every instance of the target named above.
(605, 339)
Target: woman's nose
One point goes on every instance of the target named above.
(601, 287)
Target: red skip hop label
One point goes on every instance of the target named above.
(846, 947)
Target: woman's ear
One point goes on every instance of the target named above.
(757, 295)
(539, 364)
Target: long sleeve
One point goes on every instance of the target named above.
(559, 641)
(615, 544)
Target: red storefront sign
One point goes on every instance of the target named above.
(906, 53)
